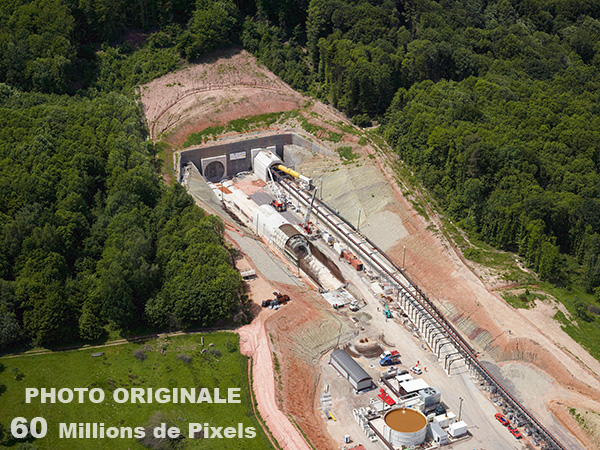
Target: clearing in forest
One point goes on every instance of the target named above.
(231, 93)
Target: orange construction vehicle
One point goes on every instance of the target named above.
(281, 298)
(279, 206)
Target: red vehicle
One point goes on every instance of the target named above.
(386, 398)
(500, 417)
(516, 433)
(279, 206)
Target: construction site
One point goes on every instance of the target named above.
(407, 396)
(369, 269)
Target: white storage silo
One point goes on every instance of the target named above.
(404, 426)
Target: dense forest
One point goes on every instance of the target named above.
(90, 235)
(495, 106)
(91, 239)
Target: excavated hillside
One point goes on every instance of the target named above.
(522, 343)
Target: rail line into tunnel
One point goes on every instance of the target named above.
(397, 277)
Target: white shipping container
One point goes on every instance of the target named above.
(339, 248)
(457, 429)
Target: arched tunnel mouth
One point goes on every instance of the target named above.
(298, 245)
(214, 171)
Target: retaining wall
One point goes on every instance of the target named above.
(231, 158)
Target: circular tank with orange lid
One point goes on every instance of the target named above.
(405, 426)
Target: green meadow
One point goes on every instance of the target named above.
(174, 362)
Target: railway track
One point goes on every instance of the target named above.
(411, 293)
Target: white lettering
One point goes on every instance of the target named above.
(204, 396)
(80, 391)
(218, 399)
(44, 395)
(68, 398)
(96, 395)
(173, 432)
(67, 430)
(137, 395)
(30, 393)
(166, 398)
(234, 395)
(121, 395)
(194, 428)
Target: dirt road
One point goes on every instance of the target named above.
(255, 343)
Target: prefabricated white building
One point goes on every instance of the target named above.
(262, 162)
(457, 429)
(437, 434)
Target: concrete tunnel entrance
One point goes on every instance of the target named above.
(214, 171)
(297, 245)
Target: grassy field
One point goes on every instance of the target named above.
(158, 363)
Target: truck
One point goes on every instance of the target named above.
(348, 255)
(279, 206)
(281, 298)
(388, 358)
(357, 264)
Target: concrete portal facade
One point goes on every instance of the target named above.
(217, 162)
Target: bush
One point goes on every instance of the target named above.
(215, 352)
(581, 310)
(362, 120)
(185, 358)
(140, 354)
(346, 153)
(231, 345)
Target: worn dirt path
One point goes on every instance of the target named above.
(255, 343)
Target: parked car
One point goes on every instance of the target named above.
(416, 370)
(516, 433)
(500, 418)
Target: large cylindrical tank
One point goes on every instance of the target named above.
(404, 426)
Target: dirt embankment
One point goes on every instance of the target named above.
(285, 346)
(561, 412)
(228, 85)
(302, 332)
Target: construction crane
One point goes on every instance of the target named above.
(308, 210)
